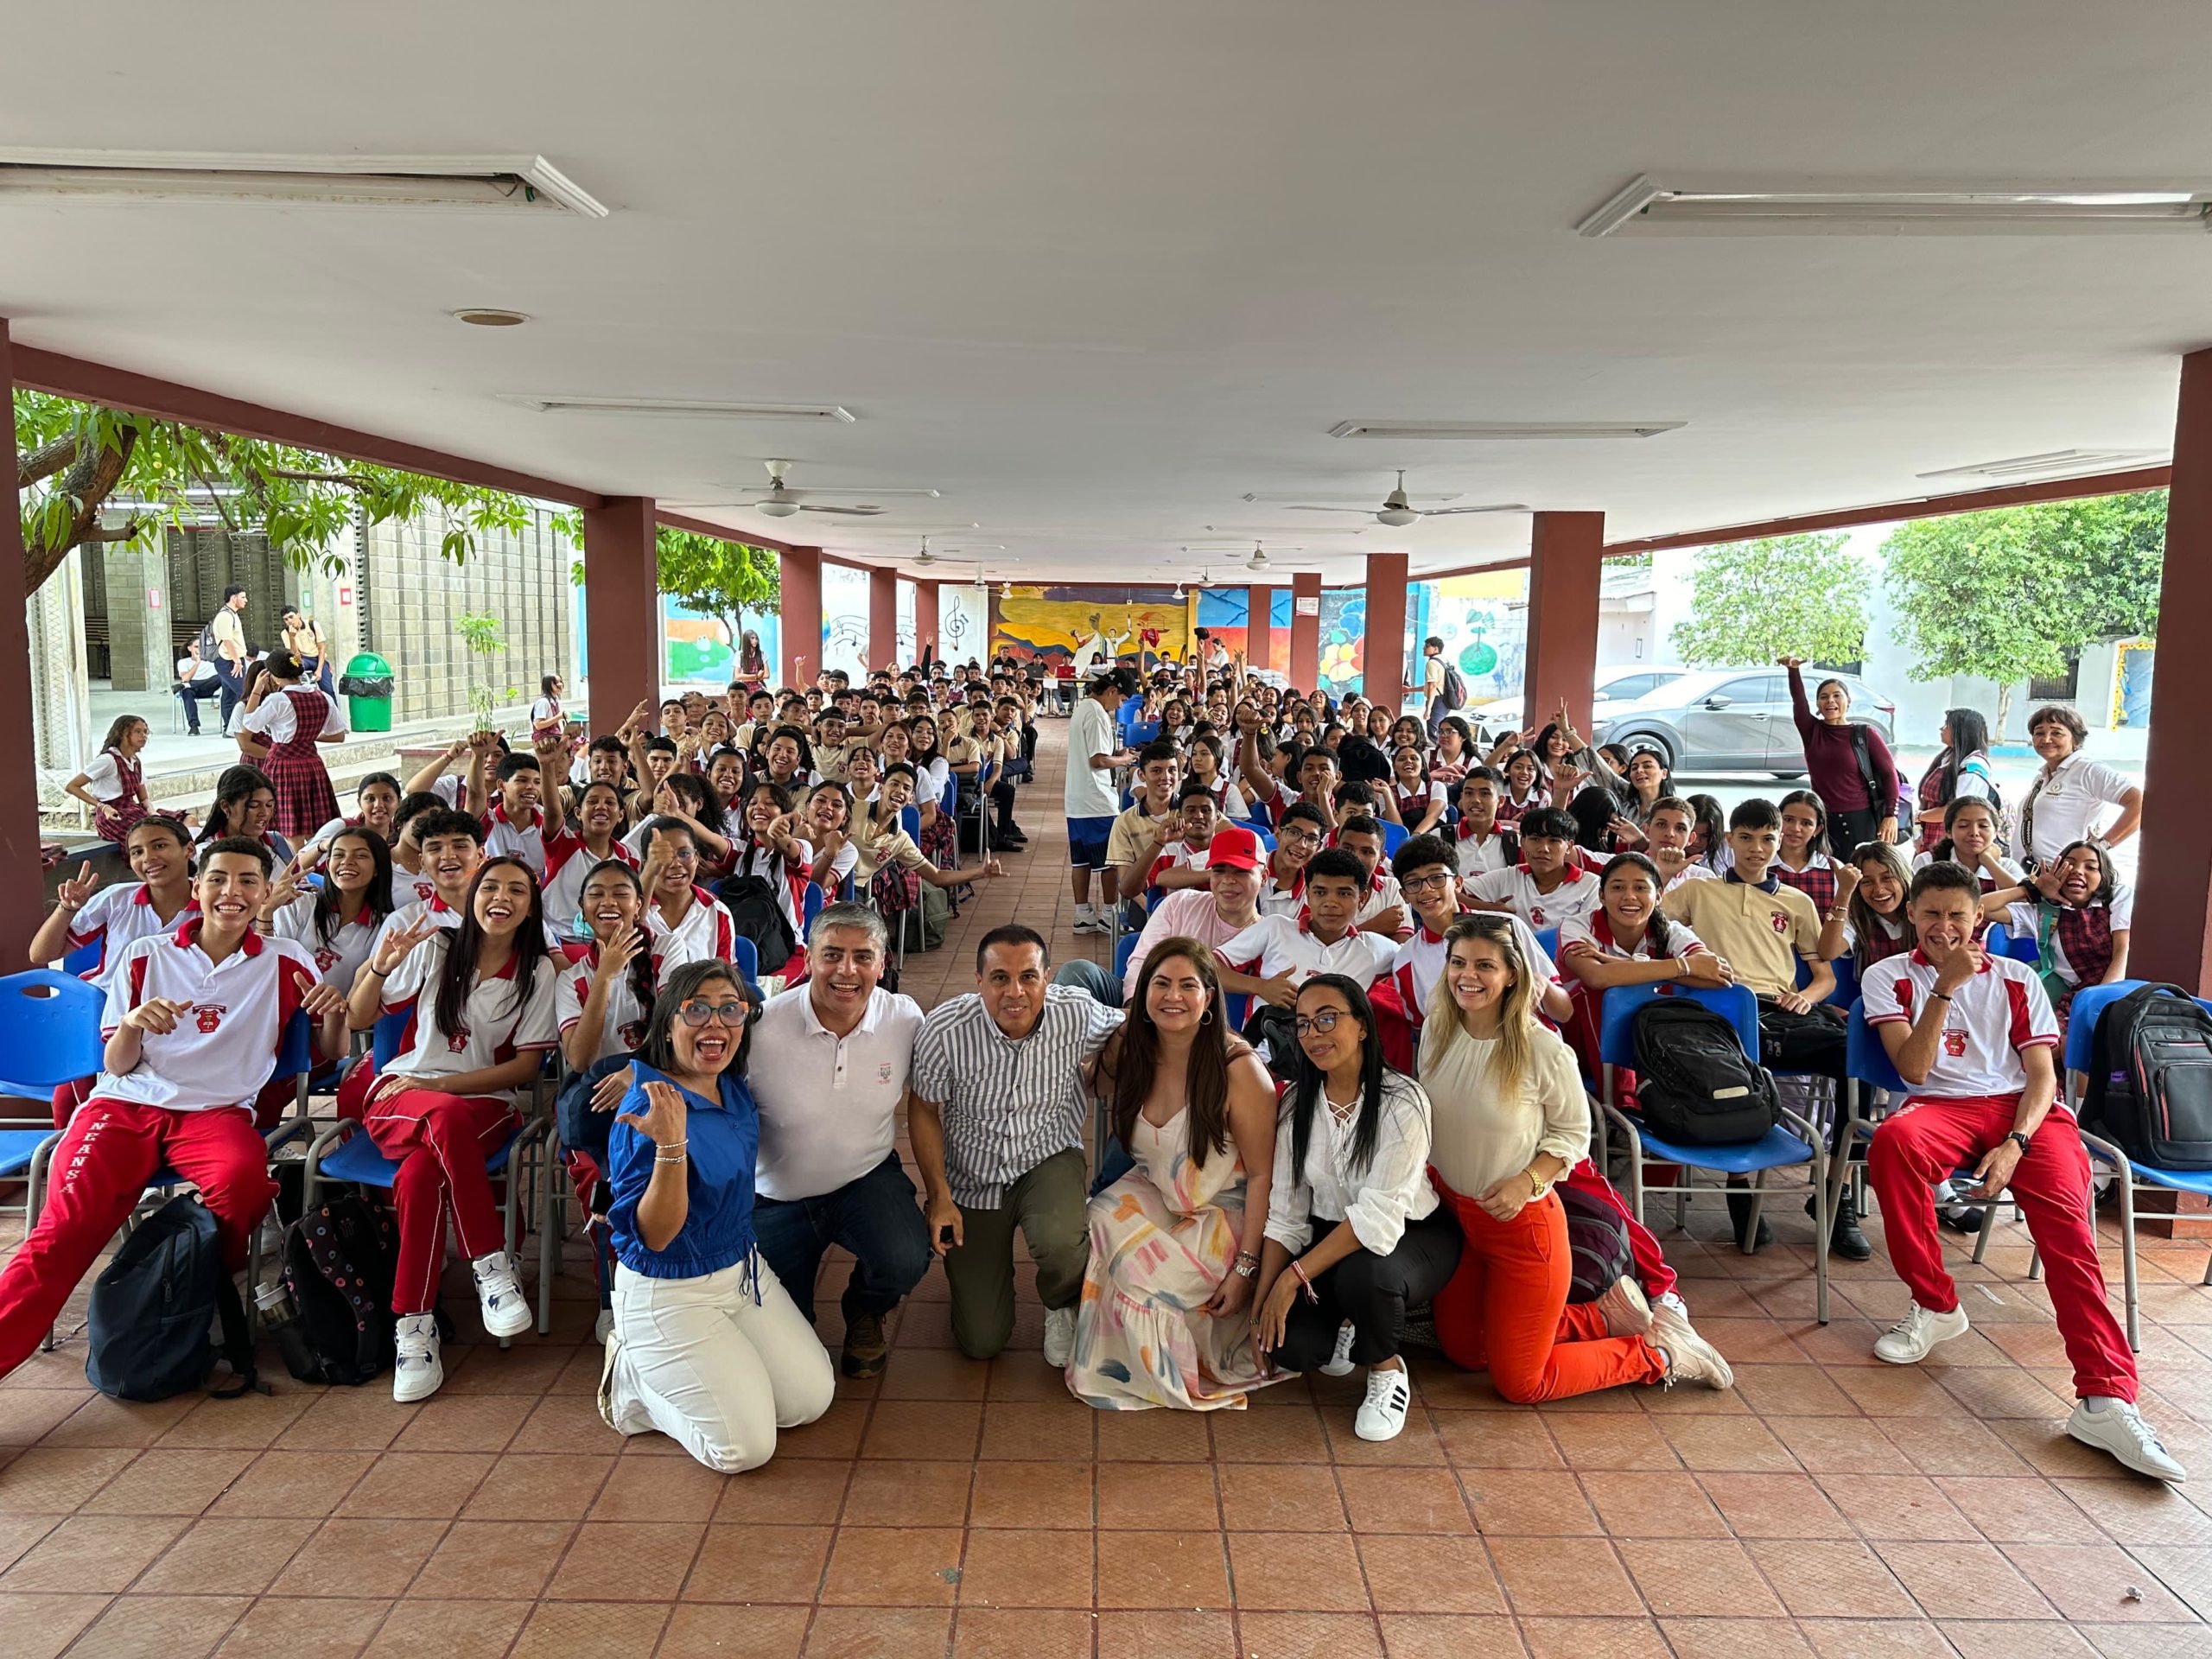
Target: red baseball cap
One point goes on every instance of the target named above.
(1234, 850)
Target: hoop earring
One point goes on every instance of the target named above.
(1206, 1019)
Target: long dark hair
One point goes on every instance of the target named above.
(658, 1048)
(1946, 847)
(236, 783)
(376, 900)
(1658, 931)
(1206, 1081)
(782, 798)
(467, 942)
(1970, 737)
(2109, 883)
(1705, 815)
(1819, 843)
(1306, 1089)
(1867, 925)
(641, 965)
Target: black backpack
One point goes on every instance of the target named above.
(757, 909)
(339, 1261)
(1455, 690)
(2151, 1078)
(1693, 1084)
(154, 1304)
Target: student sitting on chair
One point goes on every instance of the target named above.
(1548, 886)
(1283, 952)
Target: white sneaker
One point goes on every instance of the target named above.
(1383, 1413)
(1627, 1311)
(1690, 1358)
(1908, 1341)
(2121, 1430)
(416, 1372)
(1089, 921)
(1340, 1362)
(1059, 1337)
(498, 1294)
(603, 1326)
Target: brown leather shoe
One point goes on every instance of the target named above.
(866, 1351)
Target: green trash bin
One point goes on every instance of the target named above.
(367, 687)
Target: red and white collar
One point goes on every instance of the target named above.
(187, 934)
(499, 815)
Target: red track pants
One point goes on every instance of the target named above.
(440, 1142)
(110, 1150)
(1924, 1141)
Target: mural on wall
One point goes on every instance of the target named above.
(1089, 627)
(1483, 619)
(1344, 640)
(844, 622)
(1225, 612)
(963, 622)
(695, 648)
(908, 651)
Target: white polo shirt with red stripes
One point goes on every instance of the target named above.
(705, 932)
(118, 918)
(528, 842)
(1280, 945)
(1991, 1020)
(624, 1026)
(226, 1043)
(498, 1022)
(1575, 897)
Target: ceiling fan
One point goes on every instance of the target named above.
(1397, 510)
(779, 500)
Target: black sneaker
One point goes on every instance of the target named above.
(1739, 1213)
(1844, 1237)
(866, 1349)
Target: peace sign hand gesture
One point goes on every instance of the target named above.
(393, 949)
(75, 890)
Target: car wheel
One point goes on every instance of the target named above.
(1651, 740)
(1788, 776)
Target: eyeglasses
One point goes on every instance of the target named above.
(1324, 1021)
(696, 1014)
(1299, 837)
(1425, 883)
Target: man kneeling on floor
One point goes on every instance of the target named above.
(1974, 1037)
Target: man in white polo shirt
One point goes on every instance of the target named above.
(1975, 1038)
(1277, 954)
(829, 1067)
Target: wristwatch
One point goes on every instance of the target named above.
(2019, 1140)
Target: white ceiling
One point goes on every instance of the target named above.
(1096, 272)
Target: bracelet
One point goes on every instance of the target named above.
(1311, 1294)
(1536, 1188)
(1946, 996)
(381, 973)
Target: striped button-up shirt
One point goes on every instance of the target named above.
(1008, 1105)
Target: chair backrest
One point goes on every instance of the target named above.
(1143, 733)
(295, 1055)
(1846, 981)
(82, 960)
(1123, 950)
(1266, 838)
(1547, 941)
(910, 820)
(1616, 1020)
(950, 801)
(744, 956)
(49, 1028)
(1394, 837)
(1867, 1059)
(2087, 1007)
(384, 1039)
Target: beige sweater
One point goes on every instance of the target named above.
(1479, 1136)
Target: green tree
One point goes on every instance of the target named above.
(1782, 595)
(75, 462)
(722, 579)
(2016, 592)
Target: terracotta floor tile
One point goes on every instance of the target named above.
(2024, 1509)
(2132, 1511)
(292, 1482)
(1529, 1501)
(1840, 1445)
(1312, 1572)
(1792, 1391)
(1987, 1639)
(1445, 1636)
(27, 1415)
(2097, 1581)
(1312, 1636)
(1594, 1639)
(1775, 1506)
(164, 1482)
(1283, 1498)
(948, 1374)
(1415, 1574)
(1724, 1444)
(1155, 1436)
(724, 1632)
(1155, 1635)
(1698, 1577)
(1612, 1441)
(786, 1491)
(1033, 1430)
(563, 1424)
(1895, 1391)
(1831, 1579)
(421, 1486)
(329, 1628)
(877, 1632)
(347, 1420)
(536, 1487)
(924, 1429)
(1491, 1439)
(917, 1566)
(364, 1558)
(1282, 1434)
(1417, 1443)
(1018, 1633)
(494, 1560)
(481, 1422)
(1630, 1505)
(627, 1560)
(1157, 1497)
(1563, 1576)
(888, 1493)
(560, 1629)
(1026, 1569)
(530, 1366)
(92, 1554)
(222, 1557)
(2186, 1572)
(39, 1627)
(176, 1627)
(1734, 1638)
(1897, 1506)
(251, 1420)
(1183, 1570)
(1875, 1638)
(1964, 1581)
(100, 1422)
(758, 1563)
(1058, 1496)
(678, 1490)
(1953, 1445)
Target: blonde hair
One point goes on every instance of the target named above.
(1515, 1058)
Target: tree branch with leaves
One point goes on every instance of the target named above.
(1780, 595)
(724, 579)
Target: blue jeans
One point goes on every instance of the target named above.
(233, 679)
(876, 1217)
(1088, 975)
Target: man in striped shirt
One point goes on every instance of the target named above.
(997, 1119)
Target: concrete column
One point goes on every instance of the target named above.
(622, 608)
(882, 617)
(1385, 678)
(1306, 630)
(802, 615)
(1258, 626)
(22, 887)
(926, 619)
(2173, 898)
(1567, 554)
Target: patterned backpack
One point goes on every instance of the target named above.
(339, 1263)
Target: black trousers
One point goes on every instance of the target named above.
(1811, 1042)
(1373, 1292)
(1002, 797)
(1847, 830)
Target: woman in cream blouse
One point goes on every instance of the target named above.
(1509, 1119)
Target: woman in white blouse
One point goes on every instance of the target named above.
(1510, 1118)
(2069, 796)
(1355, 1236)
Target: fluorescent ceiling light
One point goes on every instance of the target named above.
(2055, 463)
(1356, 503)
(693, 409)
(1500, 431)
(1842, 209)
(480, 183)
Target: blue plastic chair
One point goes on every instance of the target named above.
(1265, 838)
(813, 907)
(744, 956)
(1143, 733)
(84, 960)
(1394, 837)
(49, 1032)
(1780, 1148)
(1548, 942)
(1999, 941)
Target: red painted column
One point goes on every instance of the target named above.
(882, 617)
(926, 617)
(22, 890)
(1384, 678)
(1566, 555)
(1306, 630)
(1260, 627)
(2173, 895)
(801, 621)
(621, 608)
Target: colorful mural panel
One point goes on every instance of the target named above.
(1484, 622)
(696, 648)
(1225, 612)
(844, 621)
(963, 620)
(1089, 626)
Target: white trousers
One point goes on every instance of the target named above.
(698, 1360)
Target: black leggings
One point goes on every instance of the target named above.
(1373, 1292)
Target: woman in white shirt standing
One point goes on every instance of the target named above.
(2064, 803)
(1510, 1118)
(1355, 1236)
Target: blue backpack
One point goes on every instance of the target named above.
(154, 1304)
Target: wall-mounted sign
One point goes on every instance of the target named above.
(1307, 604)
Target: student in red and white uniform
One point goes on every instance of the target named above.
(1667, 835)
(574, 857)
(516, 826)
(773, 849)
(1869, 922)
(827, 818)
(1282, 875)
(604, 998)
(1480, 844)
(1206, 762)
(2079, 912)
(685, 922)
(193, 1024)
(1182, 861)
(452, 851)
(1549, 887)
(337, 923)
(410, 882)
(376, 805)
(1432, 892)
(1524, 789)
(470, 789)
(1412, 797)
(160, 850)
(1970, 836)
(1277, 954)
(1974, 1038)
(691, 801)
(1628, 941)
(481, 1001)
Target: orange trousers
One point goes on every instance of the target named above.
(1505, 1310)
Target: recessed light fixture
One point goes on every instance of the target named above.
(470, 183)
(1815, 208)
(491, 316)
(2055, 463)
(685, 408)
(1500, 431)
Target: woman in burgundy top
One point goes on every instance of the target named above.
(1832, 761)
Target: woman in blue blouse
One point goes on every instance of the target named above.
(707, 1347)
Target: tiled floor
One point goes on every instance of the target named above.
(1828, 1506)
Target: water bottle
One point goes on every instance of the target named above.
(273, 1305)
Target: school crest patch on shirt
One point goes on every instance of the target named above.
(208, 1017)
(458, 1042)
(1955, 1044)
(1780, 920)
